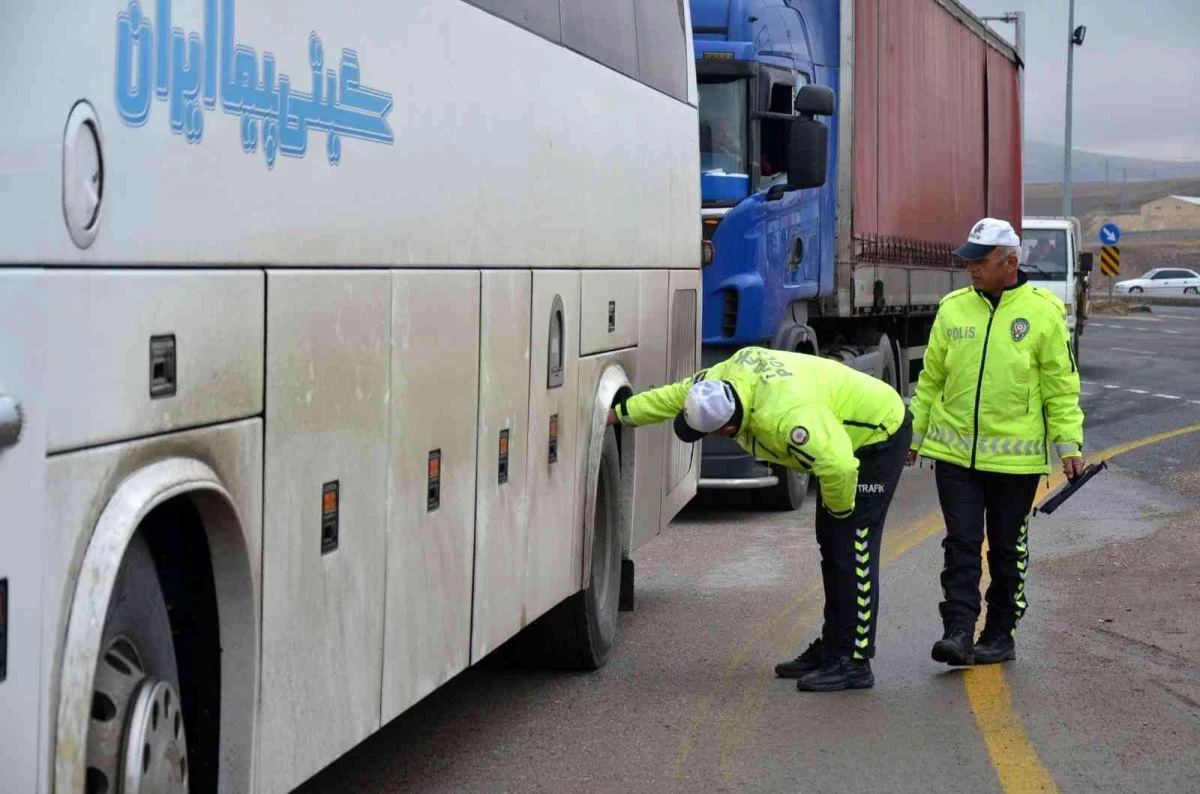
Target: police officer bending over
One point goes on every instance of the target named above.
(816, 415)
(999, 386)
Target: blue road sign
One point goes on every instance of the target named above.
(1110, 234)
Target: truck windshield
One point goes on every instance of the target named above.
(1044, 254)
(725, 173)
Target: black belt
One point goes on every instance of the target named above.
(908, 420)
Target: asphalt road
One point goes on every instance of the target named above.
(1104, 695)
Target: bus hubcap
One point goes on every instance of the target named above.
(137, 740)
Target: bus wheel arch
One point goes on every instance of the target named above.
(164, 507)
(614, 385)
(579, 632)
(607, 514)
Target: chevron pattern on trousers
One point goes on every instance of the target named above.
(862, 572)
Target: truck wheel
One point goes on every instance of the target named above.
(890, 374)
(788, 494)
(136, 741)
(580, 631)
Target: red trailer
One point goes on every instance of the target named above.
(934, 100)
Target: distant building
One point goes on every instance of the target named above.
(1171, 212)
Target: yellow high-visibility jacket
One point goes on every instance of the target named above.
(800, 411)
(999, 384)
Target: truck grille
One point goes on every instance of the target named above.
(682, 364)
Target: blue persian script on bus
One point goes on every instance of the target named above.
(189, 71)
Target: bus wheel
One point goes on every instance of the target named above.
(136, 740)
(602, 596)
(579, 632)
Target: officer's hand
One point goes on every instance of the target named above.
(612, 418)
(1073, 467)
(911, 458)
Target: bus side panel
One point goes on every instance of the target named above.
(431, 482)
(553, 551)
(445, 94)
(683, 460)
(651, 441)
(502, 509)
(142, 352)
(325, 498)
(609, 311)
(22, 533)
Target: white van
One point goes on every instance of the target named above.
(1052, 257)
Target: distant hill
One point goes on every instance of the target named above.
(1044, 164)
(1095, 203)
(1089, 198)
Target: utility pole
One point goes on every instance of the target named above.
(1075, 39)
(1018, 20)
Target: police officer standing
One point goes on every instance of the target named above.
(999, 387)
(816, 415)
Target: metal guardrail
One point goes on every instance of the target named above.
(1152, 300)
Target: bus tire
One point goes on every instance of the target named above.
(579, 633)
(136, 738)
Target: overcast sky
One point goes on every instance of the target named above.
(1137, 76)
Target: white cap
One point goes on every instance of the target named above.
(709, 406)
(986, 235)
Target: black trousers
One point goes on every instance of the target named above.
(850, 549)
(1005, 501)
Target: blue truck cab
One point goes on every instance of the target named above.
(769, 246)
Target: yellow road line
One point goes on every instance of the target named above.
(785, 637)
(1014, 758)
(704, 707)
(1016, 762)
(779, 630)
(1121, 449)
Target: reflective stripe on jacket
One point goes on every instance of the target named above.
(801, 411)
(999, 384)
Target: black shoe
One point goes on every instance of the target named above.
(995, 648)
(955, 648)
(843, 673)
(807, 662)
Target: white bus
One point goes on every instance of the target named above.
(310, 318)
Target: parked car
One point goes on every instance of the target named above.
(1163, 281)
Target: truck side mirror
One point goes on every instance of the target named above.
(1085, 262)
(814, 100)
(808, 154)
(808, 141)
